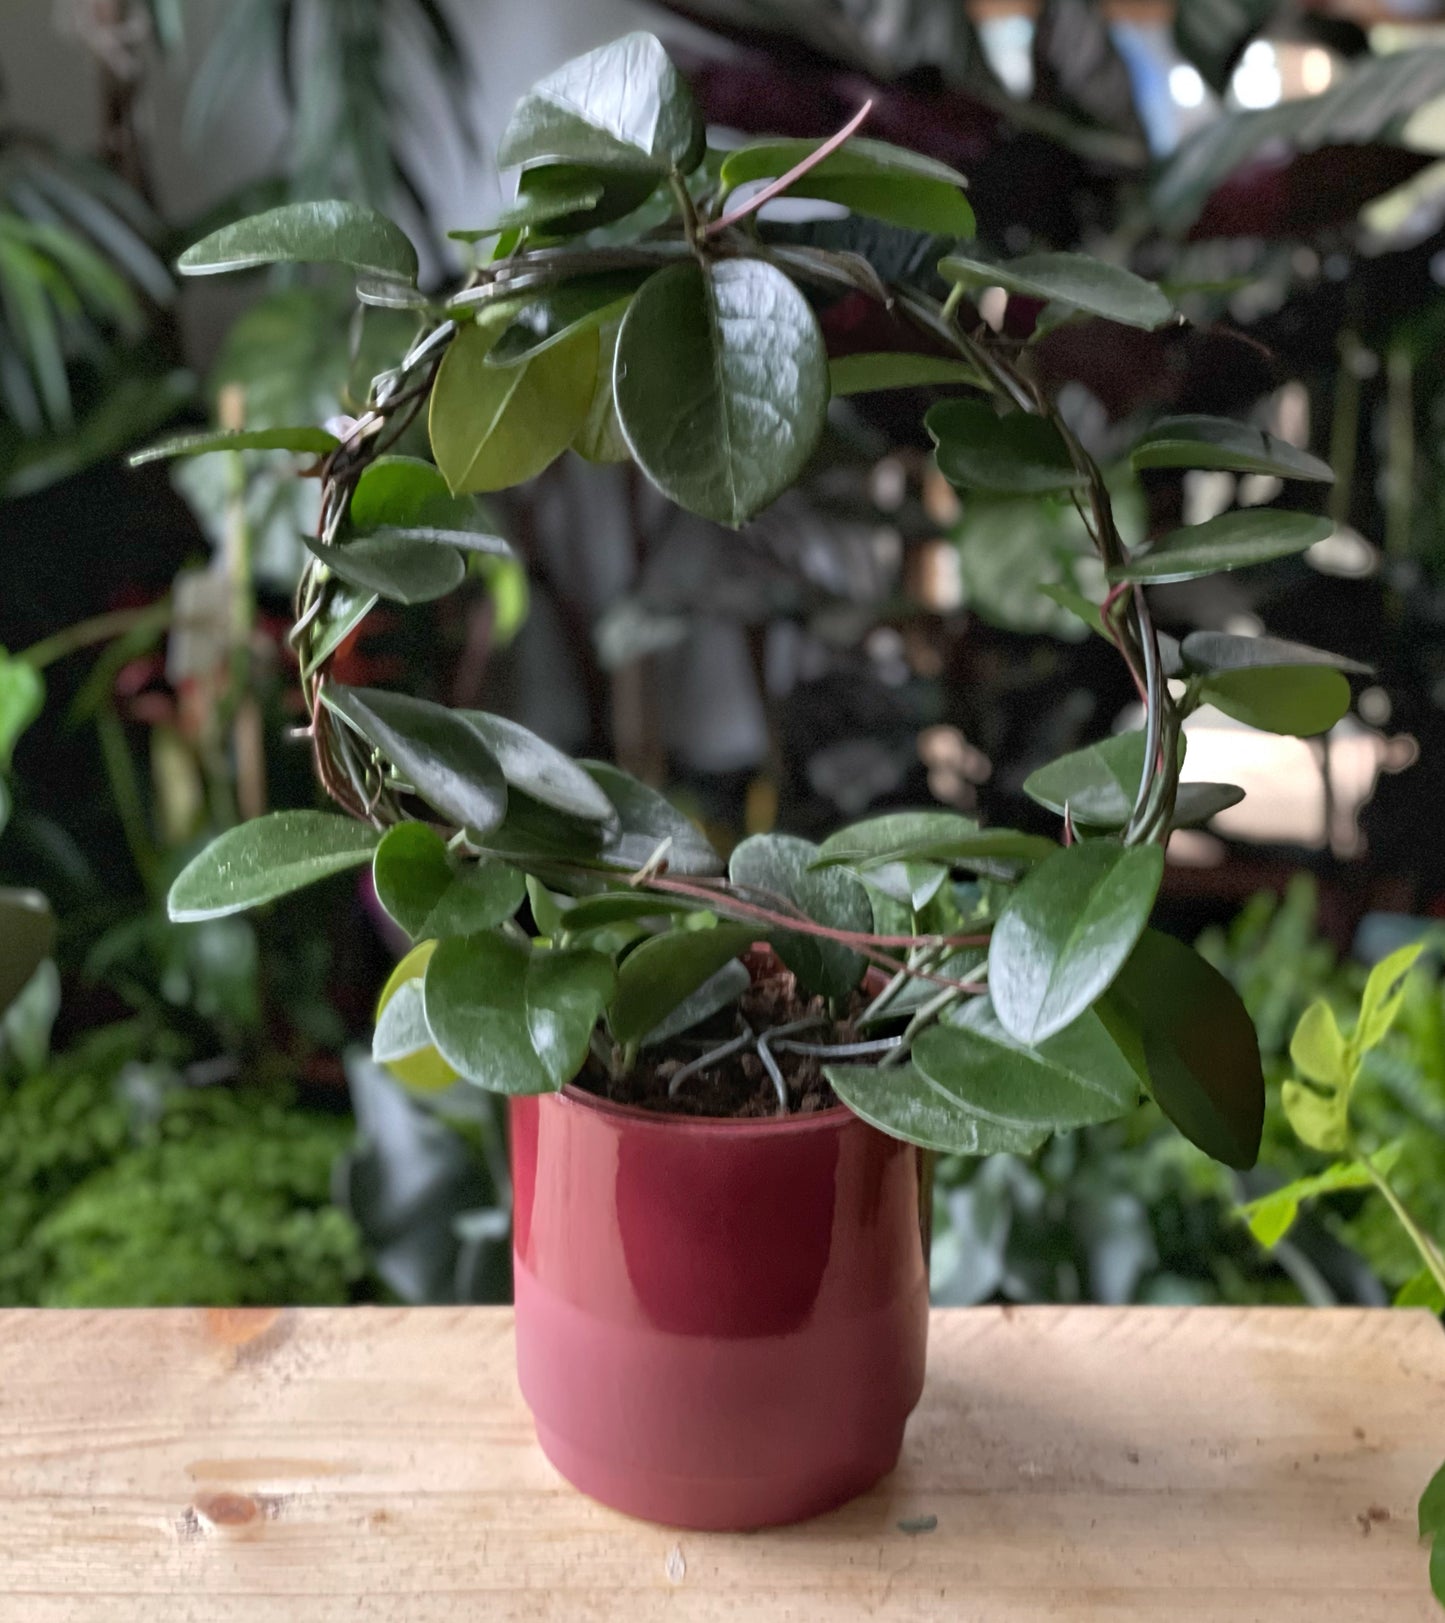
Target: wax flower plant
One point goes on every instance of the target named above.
(580, 946)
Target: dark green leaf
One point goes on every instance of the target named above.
(27, 936)
(266, 858)
(901, 1101)
(541, 770)
(622, 907)
(555, 190)
(536, 833)
(1017, 455)
(888, 369)
(1191, 1042)
(575, 306)
(1196, 803)
(600, 438)
(475, 996)
(623, 105)
(346, 607)
(721, 382)
(616, 193)
(566, 993)
(1298, 699)
(1096, 784)
(404, 493)
(325, 233)
(441, 753)
(1220, 442)
(492, 426)
(869, 177)
(430, 895)
(315, 441)
(769, 866)
(1432, 1507)
(1219, 651)
(715, 994)
(1250, 535)
(1067, 931)
(394, 566)
(655, 977)
(384, 293)
(647, 819)
(1069, 279)
(943, 837)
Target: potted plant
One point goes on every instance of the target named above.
(724, 1080)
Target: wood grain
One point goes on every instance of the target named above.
(1084, 1464)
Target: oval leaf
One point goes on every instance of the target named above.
(887, 369)
(1219, 442)
(1097, 784)
(566, 993)
(1221, 651)
(395, 566)
(1074, 280)
(1017, 455)
(323, 233)
(315, 441)
(475, 998)
(655, 977)
(403, 493)
(901, 1101)
(721, 383)
(771, 865)
(429, 894)
(266, 858)
(541, 770)
(1067, 931)
(1301, 700)
(928, 836)
(1251, 535)
(647, 821)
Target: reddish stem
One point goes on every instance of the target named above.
(795, 174)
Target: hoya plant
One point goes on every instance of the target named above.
(968, 988)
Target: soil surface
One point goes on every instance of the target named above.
(739, 1085)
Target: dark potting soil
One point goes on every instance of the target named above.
(738, 1086)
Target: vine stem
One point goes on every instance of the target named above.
(794, 175)
(1429, 1252)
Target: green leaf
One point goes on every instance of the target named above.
(345, 608)
(623, 906)
(27, 937)
(1319, 1050)
(441, 753)
(268, 857)
(1192, 1043)
(1384, 993)
(1075, 280)
(547, 912)
(623, 105)
(721, 382)
(1301, 700)
(1066, 933)
(548, 193)
(586, 302)
(1320, 1120)
(869, 177)
(566, 994)
(475, 997)
(22, 698)
(600, 438)
(401, 1028)
(1097, 784)
(1432, 1507)
(647, 820)
(656, 976)
(928, 836)
(1074, 1079)
(404, 494)
(324, 233)
(314, 441)
(715, 994)
(615, 194)
(1219, 442)
(395, 566)
(1421, 1289)
(896, 369)
(1212, 34)
(901, 1101)
(1272, 1216)
(1016, 455)
(492, 427)
(1236, 540)
(431, 895)
(778, 865)
(1219, 651)
(541, 770)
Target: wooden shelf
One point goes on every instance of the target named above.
(1088, 1465)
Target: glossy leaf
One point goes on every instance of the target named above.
(403, 493)
(571, 307)
(541, 770)
(440, 752)
(566, 993)
(600, 438)
(430, 894)
(1236, 540)
(901, 1101)
(869, 177)
(1384, 994)
(647, 820)
(721, 383)
(268, 857)
(1075, 1078)
(548, 193)
(615, 194)
(492, 427)
(779, 865)
(1075, 280)
(655, 977)
(928, 836)
(395, 566)
(401, 1029)
(1067, 931)
(623, 907)
(475, 997)
(1300, 700)
(1016, 455)
(1220, 442)
(623, 105)
(896, 369)
(714, 995)
(27, 938)
(1219, 651)
(315, 441)
(321, 233)
(1192, 1043)
(1097, 784)
(423, 1071)
(346, 607)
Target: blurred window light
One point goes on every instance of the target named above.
(1257, 81)
(1008, 43)
(1186, 85)
(1316, 71)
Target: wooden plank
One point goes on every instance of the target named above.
(1089, 1465)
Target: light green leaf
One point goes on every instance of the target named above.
(655, 977)
(431, 895)
(623, 105)
(1272, 1216)
(773, 865)
(324, 233)
(1384, 993)
(1421, 1289)
(393, 565)
(404, 495)
(1069, 279)
(1236, 540)
(1016, 455)
(1219, 442)
(566, 994)
(492, 427)
(1318, 1049)
(547, 912)
(1301, 700)
(27, 938)
(22, 698)
(475, 998)
(889, 369)
(901, 1101)
(315, 441)
(1219, 651)
(721, 383)
(268, 857)
(1066, 933)
(439, 752)
(1320, 1120)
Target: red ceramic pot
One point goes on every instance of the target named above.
(720, 1324)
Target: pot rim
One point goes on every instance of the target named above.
(833, 1119)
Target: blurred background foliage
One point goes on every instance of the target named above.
(178, 1121)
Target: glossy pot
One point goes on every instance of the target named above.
(720, 1324)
